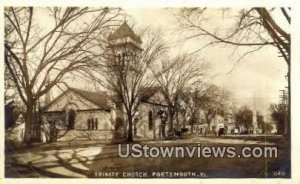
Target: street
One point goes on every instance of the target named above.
(87, 159)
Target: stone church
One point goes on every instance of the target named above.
(84, 115)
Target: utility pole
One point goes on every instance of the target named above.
(283, 103)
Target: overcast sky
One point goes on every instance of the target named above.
(260, 75)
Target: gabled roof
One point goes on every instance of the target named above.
(148, 92)
(124, 31)
(98, 98)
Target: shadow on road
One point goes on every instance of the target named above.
(76, 161)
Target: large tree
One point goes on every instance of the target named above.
(194, 100)
(244, 117)
(126, 76)
(279, 113)
(215, 102)
(42, 46)
(174, 75)
(252, 27)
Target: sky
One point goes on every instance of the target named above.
(256, 79)
(258, 76)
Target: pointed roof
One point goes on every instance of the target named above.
(148, 92)
(124, 31)
(98, 98)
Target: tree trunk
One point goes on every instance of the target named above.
(177, 119)
(129, 132)
(29, 119)
(171, 118)
(193, 121)
(208, 121)
(184, 121)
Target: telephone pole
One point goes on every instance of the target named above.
(283, 103)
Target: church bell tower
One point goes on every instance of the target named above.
(124, 43)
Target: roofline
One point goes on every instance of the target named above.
(55, 99)
(82, 110)
(59, 96)
(72, 89)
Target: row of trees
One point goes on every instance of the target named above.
(74, 42)
(33, 52)
(179, 79)
(68, 43)
(247, 30)
(251, 28)
(278, 114)
(244, 118)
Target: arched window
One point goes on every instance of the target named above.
(150, 120)
(119, 123)
(70, 120)
(92, 124)
(96, 124)
(89, 124)
(118, 57)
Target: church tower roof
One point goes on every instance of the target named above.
(124, 31)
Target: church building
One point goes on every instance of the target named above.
(84, 115)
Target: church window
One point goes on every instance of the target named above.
(96, 124)
(71, 115)
(92, 124)
(150, 119)
(89, 124)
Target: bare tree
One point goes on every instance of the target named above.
(44, 53)
(10, 92)
(126, 75)
(253, 28)
(215, 101)
(244, 117)
(174, 76)
(279, 113)
(193, 101)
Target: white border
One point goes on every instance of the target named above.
(295, 80)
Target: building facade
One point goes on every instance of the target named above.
(78, 115)
(84, 115)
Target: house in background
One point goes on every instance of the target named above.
(220, 123)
